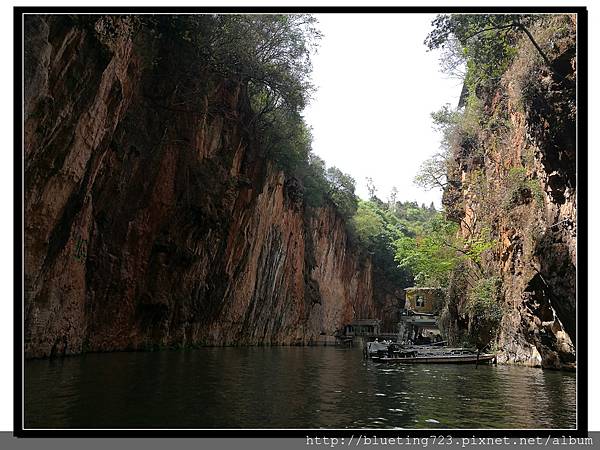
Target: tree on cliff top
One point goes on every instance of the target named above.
(487, 41)
(268, 52)
(341, 192)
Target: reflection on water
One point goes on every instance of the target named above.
(288, 387)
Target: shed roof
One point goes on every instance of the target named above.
(417, 288)
(366, 322)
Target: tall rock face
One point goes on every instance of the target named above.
(153, 217)
(518, 180)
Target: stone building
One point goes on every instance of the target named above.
(423, 299)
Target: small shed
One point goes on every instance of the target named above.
(363, 327)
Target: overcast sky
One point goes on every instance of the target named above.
(376, 87)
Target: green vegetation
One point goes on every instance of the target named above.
(433, 173)
(459, 130)
(483, 308)
(521, 190)
(380, 226)
(483, 299)
(478, 48)
(494, 55)
(438, 256)
(341, 192)
(438, 248)
(269, 56)
(269, 53)
(369, 222)
(431, 254)
(485, 43)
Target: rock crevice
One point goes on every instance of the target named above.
(152, 216)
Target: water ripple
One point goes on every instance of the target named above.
(286, 387)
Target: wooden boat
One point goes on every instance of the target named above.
(428, 354)
(438, 359)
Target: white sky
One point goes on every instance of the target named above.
(376, 87)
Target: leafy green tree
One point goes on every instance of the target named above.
(487, 40)
(377, 228)
(445, 121)
(477, 244)
(368, 223)
(341, 191)
(269, 53)
(433, 251)
(433, 173)
(315, 181)
(286, 139)
(432, 255)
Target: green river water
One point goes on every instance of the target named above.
(288, 387)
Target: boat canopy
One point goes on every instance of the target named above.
(374, 347)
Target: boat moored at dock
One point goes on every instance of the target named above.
(428, 354)
(439, 359)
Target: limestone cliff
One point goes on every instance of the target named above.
(151, 221)
(518, 180)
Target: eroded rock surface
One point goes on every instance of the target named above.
(153, 218)
(519, 181)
